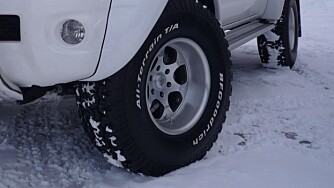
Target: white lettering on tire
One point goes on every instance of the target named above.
(141, 70)
(204, 133)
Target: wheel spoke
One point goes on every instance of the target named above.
(173, 67)
(151, 98)
(168, 114)
(171, 88)
(177, 87)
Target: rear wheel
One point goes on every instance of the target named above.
(165, 109)
(280, 46)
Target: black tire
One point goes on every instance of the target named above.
(114, 111)
(275, 46)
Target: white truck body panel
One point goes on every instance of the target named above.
(130, 20)
(254, 7)
(42, 57)
(273, 10)
(228, 12)
(8, 90)
(124, 17)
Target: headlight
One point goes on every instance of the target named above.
(73, 32)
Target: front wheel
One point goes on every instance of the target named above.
(165, 109)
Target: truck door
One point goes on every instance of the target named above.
(254, 7)
(229, 11)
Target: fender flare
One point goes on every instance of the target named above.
(129, 24)
(299, 18)
(274, 11)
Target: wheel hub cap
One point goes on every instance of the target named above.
(160, 81)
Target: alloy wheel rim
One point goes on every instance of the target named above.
(292, 28)
(178, 86)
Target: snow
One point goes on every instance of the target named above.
(279, 130)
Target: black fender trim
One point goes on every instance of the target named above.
(299, 18)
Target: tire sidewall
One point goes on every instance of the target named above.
(158, 146)
(293, 50)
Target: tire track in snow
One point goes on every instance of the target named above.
(254, 124)
(314, 76)
(293, 121)
(52, 149)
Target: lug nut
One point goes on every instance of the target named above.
(162, 94)
(169, 84)
(167, 71)
(152, 91)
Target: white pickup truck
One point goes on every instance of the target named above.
(152, 77)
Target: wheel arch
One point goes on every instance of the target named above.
(130, 20)
(210, 4)
(273, 10)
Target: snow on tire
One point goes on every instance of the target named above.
(165, 109)
(280, 46)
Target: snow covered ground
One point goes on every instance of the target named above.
(279, 132)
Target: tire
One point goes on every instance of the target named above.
(185, 62)
(280, 46)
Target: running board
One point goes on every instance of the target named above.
(243, 34)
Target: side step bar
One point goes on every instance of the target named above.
(243, 34)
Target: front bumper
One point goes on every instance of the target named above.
(41, 57)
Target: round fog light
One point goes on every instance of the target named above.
(73, 32)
